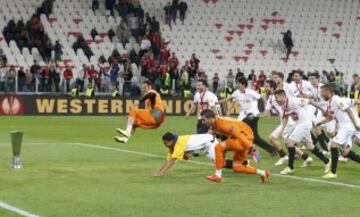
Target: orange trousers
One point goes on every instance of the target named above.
(144, 119)
(240, 149)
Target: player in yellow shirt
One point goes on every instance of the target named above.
(182, 147)
(149, 118)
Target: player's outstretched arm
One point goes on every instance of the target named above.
(352, 118)
(165, 167)
(191, 110)
(316, 105)
(225, 100)
(264, 114)
(326, 120)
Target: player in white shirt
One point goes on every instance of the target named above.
(298, 109)
(278, 77)
(249, 111)
(348, 126)
(203, 99)
(182, 147)
(272, 107)
(330, 127)
(301, 87)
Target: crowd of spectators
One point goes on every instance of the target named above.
(122, 72)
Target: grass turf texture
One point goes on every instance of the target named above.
(70, 180)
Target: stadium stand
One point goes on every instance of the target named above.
(224, 35)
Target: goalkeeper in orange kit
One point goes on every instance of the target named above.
(240, 141)
(149, 118)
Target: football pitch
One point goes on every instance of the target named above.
(73, 167)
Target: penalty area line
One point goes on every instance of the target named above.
(16, 210)
(304, 179)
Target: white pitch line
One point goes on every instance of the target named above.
(209, 164)
(16, 210)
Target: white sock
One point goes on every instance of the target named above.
(260, 172)
(129, 128)
(218, 173)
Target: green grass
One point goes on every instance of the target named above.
(70, 180)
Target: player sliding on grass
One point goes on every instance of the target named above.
(149, 118)
(240, 141)
(182, 147)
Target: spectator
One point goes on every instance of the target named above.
(355, 86)
(114, 91)
(3, 59)
(194, 65)
(10, 79)
(45, 79)
(324, 77)
(128, 75)
(92, 75)
(215, 82)
(123, 10)
(155, 25)
(133, 23)
(58, 51)
(80, 43)
(123, 33)
(173, 60)
(3, 71)
(111, 34)
(288, 42)
(168, 14)
(174, 8)
(230, 79)
(109, 5)
(239, 74)
(81, 75)
(68, 75)
(184, 77)
(21, 79)
(145, 46)
(135, 90)
(54, 79)
(262, 78)
(29, 81)
(114, 73)
(90, 91)
(93, 33)
(47, 52)
(95, 5)
(182, 10)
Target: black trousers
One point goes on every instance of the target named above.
(253, 123)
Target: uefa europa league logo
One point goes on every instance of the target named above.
(11, 105)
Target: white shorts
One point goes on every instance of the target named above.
(301, 133)
(329, 127)
(288, 129)
(210, 152)
(344, 136)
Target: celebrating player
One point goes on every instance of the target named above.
(298, 109)
(149, 118)
(273, 107)
(330, 127)
(348, 126)
(240, 141)
(249, 111)
(182, 147)
(204, 99)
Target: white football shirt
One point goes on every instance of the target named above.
(248, 102)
